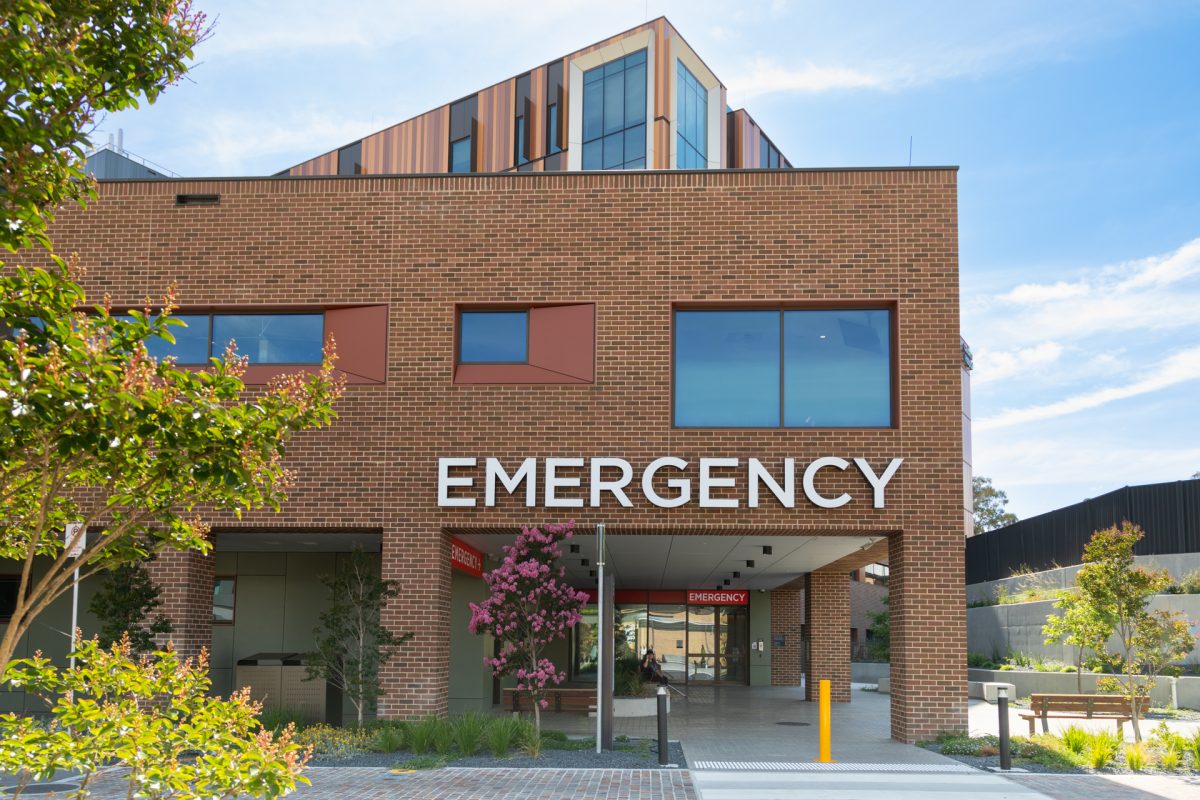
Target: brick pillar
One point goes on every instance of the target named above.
(416, 681)
(827, 615)
(927, 605)
(787, 617)
(185, 584)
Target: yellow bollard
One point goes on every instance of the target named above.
(823, 755)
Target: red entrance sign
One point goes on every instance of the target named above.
(466, 558)
(727, 597)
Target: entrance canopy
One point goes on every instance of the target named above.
(661, 561)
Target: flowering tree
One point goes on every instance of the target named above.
(531, 606)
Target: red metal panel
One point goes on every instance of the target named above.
(562, 339)
(465, 558)
(361, 337)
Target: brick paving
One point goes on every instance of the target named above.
(363, 783)
(1112, 787)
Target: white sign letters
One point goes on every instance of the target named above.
(665, 482)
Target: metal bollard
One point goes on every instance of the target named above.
(664, 749)
(825, 720)
(1002, 705)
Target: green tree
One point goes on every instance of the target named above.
(95, 431)
(989, 506)
(125, 603)
(156, 716)
(63, 63)
(1119, 593)
(1078, 624)
(352, 642)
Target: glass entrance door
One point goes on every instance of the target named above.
(717, 640)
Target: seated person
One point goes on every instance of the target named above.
(651, 670)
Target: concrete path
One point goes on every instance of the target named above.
(848, 785)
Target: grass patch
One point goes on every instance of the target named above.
(469, 731)
(422, 762)
(501, 734)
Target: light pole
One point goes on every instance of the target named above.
(1002, 705)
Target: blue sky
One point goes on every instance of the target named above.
(1076, 126)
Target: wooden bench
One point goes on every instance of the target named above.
(565, 699)
(1080, 706)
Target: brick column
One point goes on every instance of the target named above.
(927, 605)
(416, 681)
(787, 617)
(185, 584)
(827, 615)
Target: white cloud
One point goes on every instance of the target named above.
(1178, 368)
(764, 76)
(1029, 293)
(228, 142)
(1008, 364)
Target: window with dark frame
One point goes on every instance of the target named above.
(350, 159)
(783, 368)
(224, 600)
(552, 129)
(614, 114)
(460, 155)
(262, 338)
(691, 121)
(493, 337)
(519, 155)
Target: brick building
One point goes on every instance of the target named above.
(752, 377)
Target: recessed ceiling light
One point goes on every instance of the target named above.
(766, 549)
(591, 573)
(737, 574)
(726, 581)
(750, 564)
(574, 548)
(583, 562)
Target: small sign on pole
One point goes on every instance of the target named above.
(75, 541)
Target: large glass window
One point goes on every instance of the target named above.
(460, 155)
(614, 114)
(727, 368)
(271, 338)
(519, 154)
(790, 368)
(191, 340)
(691, 121)
(493, 337)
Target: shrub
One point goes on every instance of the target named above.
(1067, 668)
(153, 717)
(1193, 745)
(528, 739)
(964, 745)
(1170, 759)
(627, 678)
(1007, 668)
(1167, 739)
(1136, 756)
(332, 742)
(1075, 739)
(389, 738)
(980, 661)
(1047, 750)
(1188, 584)
(276, 719)
(421, 734)
(501, 733)
(1102, 748)
(469, 730)
(443, 738)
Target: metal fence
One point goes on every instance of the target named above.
(1169, 513)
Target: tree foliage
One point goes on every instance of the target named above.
(989, 506)
(125, 605)
(352, 642)
(62, 63)
(1118, 594)
(879, 645)
(1079, 624)
(530, 607)
(156, 717)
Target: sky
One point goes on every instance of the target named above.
(1075, 126)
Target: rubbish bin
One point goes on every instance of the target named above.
(277, 680)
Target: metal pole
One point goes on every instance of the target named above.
(824, 755)
(600, 634)
(664, 748)
(74, 614)
(1002, 705)
(75, 540)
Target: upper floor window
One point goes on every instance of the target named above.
(768, 154)
(520, 155)
(552, 129)
(783, 368)
(493, 337)
(261, 338)
(460, 155)
(691, 121)
(349, 159)
(614, 114)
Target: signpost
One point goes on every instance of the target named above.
(75, 540)
(600, 637)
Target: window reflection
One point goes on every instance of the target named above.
(614, 114)
(271, 338)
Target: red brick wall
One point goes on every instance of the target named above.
(827, 617)
(185, 582)
(634, 244)
(787, 619)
